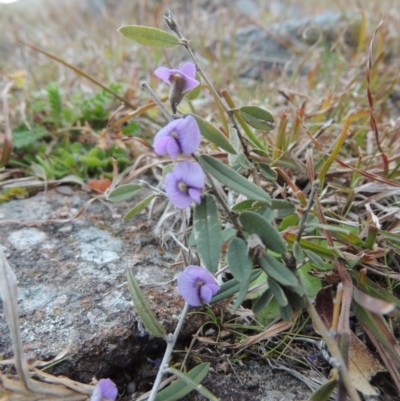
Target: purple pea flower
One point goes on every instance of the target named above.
(105, 390)
(179, 136)
(197, 285)
(184, 184)
(181, 81)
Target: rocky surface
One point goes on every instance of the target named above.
(73, 294)
(284, 44)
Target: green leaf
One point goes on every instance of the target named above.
(277, 270)
(316, 259)
(244, 163)
(124, 192)
(139, 207)
(228, 233)
(150, 36)
(324, 392)
(278, 292)
(207, 232)
(283, 207)
(231, 287)
(262, 301)
(240, 263)
(289, 221)
(142, 307)
(286, 312)
(253, 223)
(179, 388)
(233, 180)
(243, 287)
(267, 171)
(257, 117)
(298, 252)
(213, 134)
(194, 93)
(235, 142)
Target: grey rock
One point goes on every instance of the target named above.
(282, 44)
(72, 294)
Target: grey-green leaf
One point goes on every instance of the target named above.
(139, 207)
(262, 301)
(254, 223)
(207, 232)
(277, 270)
(257, 117)
(240, 263)
(231, 287)
(213, 134)
(298, 252)
(278, 292)
(267, 171)
(142, 307)
(316, 259)
(284, 207)
(124, 192)
(232, 179)
(150, 36)
(179, 388)
(243, 287)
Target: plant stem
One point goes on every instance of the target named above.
(156, 99)
(171, 340)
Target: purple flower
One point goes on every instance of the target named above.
(185, 76)
(105, 390)
(180, 81)
(197, 285)
(179, 136)
(184, 184)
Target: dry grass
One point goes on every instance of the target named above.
(325, 91)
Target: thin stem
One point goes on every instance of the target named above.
(229, 112)
(170, 347)
(157, 100)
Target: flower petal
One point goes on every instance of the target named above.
(195, 194)
(173, 148)
(194, 175)
(205, 293)
(190, 84)
(188, 135)
(188, 69)
(179, 199)
(105, 389)
(188, 289)
(161, 145)
(164, 73)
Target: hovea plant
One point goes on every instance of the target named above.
(231, 205)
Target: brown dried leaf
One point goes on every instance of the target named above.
(362, 366)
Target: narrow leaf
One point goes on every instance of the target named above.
(231, 287)
(150, 36)
(253, 223)
(233, 180)
(267, 171)
(142, 307)
(240, 263)
(325, 391)
(257, 117)
(207, 232)
(139, 207)
(213, 134)
(298, 252)
(277, 270)
(244, 286)
(317, 260)
(262, 301)
(179, 388)
(124, 192)
(278, 292)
